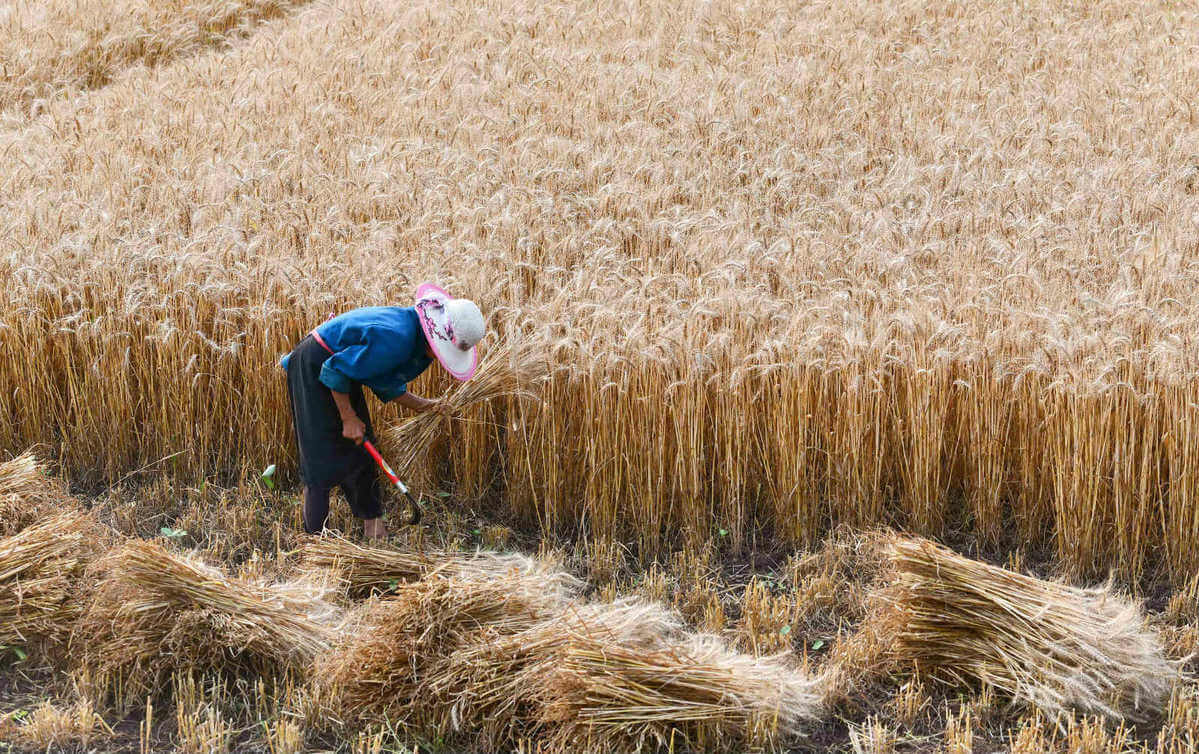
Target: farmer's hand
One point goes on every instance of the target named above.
(352, 428)
(441, 406)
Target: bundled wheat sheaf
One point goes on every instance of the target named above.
(508, 370)
(364, 569)
(40, 571)
(389, 668)
(1047, 645)
(28, 493)
(601, 692)
(496, 658)
(156, 613)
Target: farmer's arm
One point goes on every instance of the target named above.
(356, 363)
(352, 428)
(415, 402)
(395, 390)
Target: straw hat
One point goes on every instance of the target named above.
(453, 326)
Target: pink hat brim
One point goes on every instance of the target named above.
(461, 370)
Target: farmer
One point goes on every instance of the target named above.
(382, 347)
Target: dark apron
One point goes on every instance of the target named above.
(326, 458)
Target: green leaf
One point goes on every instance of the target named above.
(175, 533)
(784, 630)
(268, 476)
(478, 532)
(724, 532)
(392, 584)
(20, 653)
(20, 714)
(818, 644)
(443, 495)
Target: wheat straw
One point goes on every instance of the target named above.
(28, 494)
(1045, 644)
(40, 571)
(156, 613)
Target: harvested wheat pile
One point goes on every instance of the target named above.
(368, 569)
(40, 569)
(364, 569)
(1045, 644)
(603, 694)
(391, 666)
(156, 613)
(494, 659)
(28, 494)
(493, 685)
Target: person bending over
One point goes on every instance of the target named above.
(383, 348)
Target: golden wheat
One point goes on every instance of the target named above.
(768, 299)
(41, 569)
(28, 494)
(48, 49)
(1051, 646)
(155, 613)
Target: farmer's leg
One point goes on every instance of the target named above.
(364, 493)
(374, 528)
(362, 488)
(316, 509)
(323, 453)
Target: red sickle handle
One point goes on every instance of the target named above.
(370, 448)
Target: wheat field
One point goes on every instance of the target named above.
(791, 268)
(791, 265)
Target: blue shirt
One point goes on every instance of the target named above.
(382, 347)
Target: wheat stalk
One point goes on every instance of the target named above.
(1044, 644)
(156, 613)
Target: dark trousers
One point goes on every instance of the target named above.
(327, 459)
(363, 492)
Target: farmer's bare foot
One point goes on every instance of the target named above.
(373, 528)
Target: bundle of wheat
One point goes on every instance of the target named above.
(365, 569)
(493, 685)
(156, 613)
(497, 658)
(40, 568)
(601, 693)
(509, 369)
(390, 666)
(1045, 644)
(27, 493)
